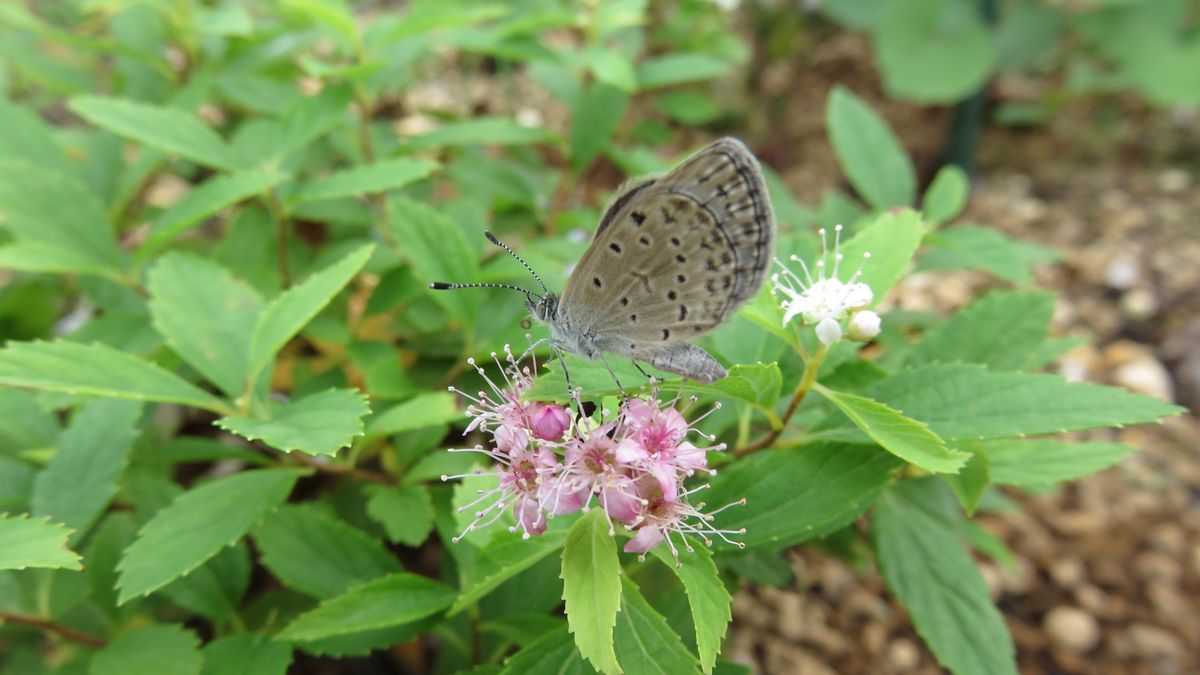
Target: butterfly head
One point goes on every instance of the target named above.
(544, 309)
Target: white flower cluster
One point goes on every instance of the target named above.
(827, 301)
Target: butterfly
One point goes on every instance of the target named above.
(673, 257)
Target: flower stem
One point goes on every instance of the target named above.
(66, 632)
(812, 367)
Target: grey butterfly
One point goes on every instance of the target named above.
(673, 257)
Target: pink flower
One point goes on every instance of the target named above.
(591, 461)
(547, 421)
(667, 513)
(656, 443)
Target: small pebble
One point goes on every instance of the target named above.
(902, 655)
(1071, 628)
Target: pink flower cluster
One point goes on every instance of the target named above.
(551, 462)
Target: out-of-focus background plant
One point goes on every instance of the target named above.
(224, 409)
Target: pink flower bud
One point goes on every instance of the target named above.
(548, 422)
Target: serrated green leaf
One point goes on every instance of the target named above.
(420, 412)
(757, 383)
(969, 484)
(81, 478)
(680, 67)
(319, 555)
(645, 642)
(26, 137)
(198, 524)
(58, 223)
(505, 556)
(482, 131)
(167, 129)
(892, 240)
(970, 402)
(206, 314)
(591, 578)
(795, 495)
(97, 369)
(365, 179)
(1042, 461)
(34, 543)
(525, 628)
(905, 438)
(999, 330)
(554, 653)
(919, 543)
(405, 511)
(595, 117)
(709, 601)
(311, 117)
(946, 196)
(163, 650)
(204, 200)
(318, 424)
(967, 247)
(389, 601)
(610, 67)
(24, 424)
(291, 310)
(438, 251)
(932, 51)
(245, 654)
(214, 590)
(869, 153)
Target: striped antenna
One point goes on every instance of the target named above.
(492, 238)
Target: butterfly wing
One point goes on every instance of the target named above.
(675, 255)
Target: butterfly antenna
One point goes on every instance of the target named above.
(443, 286)
(492, 238)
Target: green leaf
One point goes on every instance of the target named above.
(197, 205)
(26, 137)
(592, 589)
(421, 412)
(680, 67)
(610, 67)
(365, 179)
(710, 603)
(644, 640)
(246, 654)
(891, 239)
(438, 251)
(167, 129)
(206, 314)
(24, 424)
(932, 51)
(333, 15)
(969, 484)
(999, 330)
(919, 543)
(504, 557)
(317, 554)
(482, 131)
(795, 495)
(969, 402)
(595, 118)
(1042, 461)
(198, 524)
(318, 424)
(311, 117)
(405, 511)
(34, 543)
(81, 478)
(967, 247)
(869, 153)
(554, 653)
(58, 223)
(163, 650)
(905, 438)
(214, 590)
(287, 314)
(946, 196)
(389, 601)
(99, 370)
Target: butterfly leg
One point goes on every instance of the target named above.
(610, 372)
(653, 380)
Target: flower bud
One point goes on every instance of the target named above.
(829, 331)
(548, 422)
(864, 326)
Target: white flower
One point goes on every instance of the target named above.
(864, 326)
(824, 301)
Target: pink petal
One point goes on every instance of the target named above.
(630, 452)
(645, 539)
